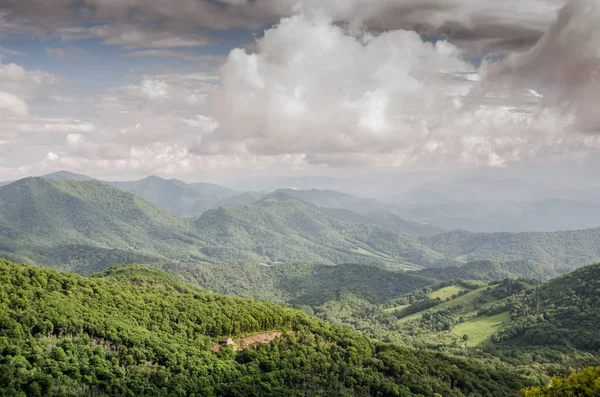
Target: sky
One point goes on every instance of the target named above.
(198, 88)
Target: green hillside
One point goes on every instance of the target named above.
(135, 331)
(175, 196)
(493, 271)
(562, 312)
(56, 222)
(87, 226)
(384, 219)
(563, 251)
(301, 283)
(283, 229)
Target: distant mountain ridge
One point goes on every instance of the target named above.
(58, 221)
(281, 228)
(175, 196)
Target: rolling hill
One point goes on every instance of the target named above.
(280, 228)
(563, 251)
(89, 225)
(384, 219)
(57, 222)
(137, 331)
(337, 200)
(562, 312)
(66, 176)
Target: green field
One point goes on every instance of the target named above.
(480, 329)
(446, 292)
(467, 303)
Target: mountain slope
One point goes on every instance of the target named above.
(561, 312)
(383, 219)
(39, 218)
(56, 222)
(176, 196)
(493, 271)
(563, 251)
(136, 332)
(283, 229)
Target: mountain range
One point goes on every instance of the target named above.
(474, 298)
(456, 204)
(86, 225)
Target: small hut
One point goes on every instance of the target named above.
(227, 341)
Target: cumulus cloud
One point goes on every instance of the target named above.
(313, 89)
(564, 66)
(389, 83)
(317, 90)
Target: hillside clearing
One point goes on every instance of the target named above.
(480, 330)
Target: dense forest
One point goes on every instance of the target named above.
(137, 331)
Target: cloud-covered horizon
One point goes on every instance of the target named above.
(393, 84)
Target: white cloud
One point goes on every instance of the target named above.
(13, 104)
(56, 125)
(313, 89)
(342, 83)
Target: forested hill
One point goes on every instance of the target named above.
(280, 228)
(86, 225)
(136, 331)
(175, 196)
(562, 312)
(564, 251)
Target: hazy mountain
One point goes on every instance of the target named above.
(384, 219)
(87, 225)
(563, 251)
(333, 199)
(280, 228)
(176, 196)
(60, 220)
(421, 198)
(242, 199)
(545, 215)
